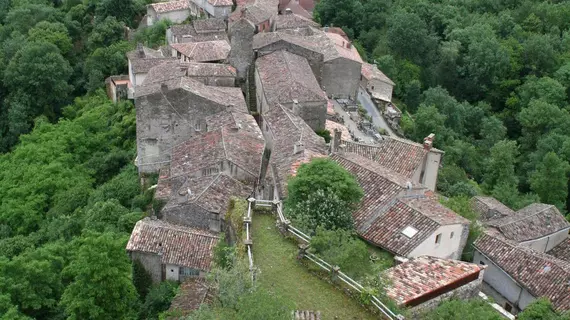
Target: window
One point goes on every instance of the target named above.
(197, 126)
(372, 88)
(451, 235)
(438, 239)
(189, 272)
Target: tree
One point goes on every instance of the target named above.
(158, 300)
(106, 33)
(429, 120)
(492, 131)
(100, 276)
(142, 280)
(341, 248)
(474, 309)
(550, 180)
(540, 309)
(408, 37)
(124, 11)
(339, 13)
(52, 32)
(500, 168)
(323, 208)
(540, 55)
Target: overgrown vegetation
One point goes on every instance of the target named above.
(490, 78)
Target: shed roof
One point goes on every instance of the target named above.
(286, 77)
(204, 51)
(181, 246)
(423, 275)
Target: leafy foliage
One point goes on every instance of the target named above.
(158, 299)
(463, 310)
(541, 309)
(322, 209)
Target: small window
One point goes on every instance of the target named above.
(438, 239)
(482, 263)
(372, 87)
(197, 126)
(189, 272)
(508, 307)
(451, 235)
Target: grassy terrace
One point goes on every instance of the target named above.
(281, 273)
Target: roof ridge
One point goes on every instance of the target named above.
(207, 187)
(548, 206)
(185, 229)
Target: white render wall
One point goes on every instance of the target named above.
(172, 272)
(447, 248)
(546, 244)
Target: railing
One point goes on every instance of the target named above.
(278, 207)
(248, 241)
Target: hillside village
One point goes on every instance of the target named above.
(231, 106)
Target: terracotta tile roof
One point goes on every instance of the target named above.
(210, 24)
(561, 251)
(196, 69)
(541, 274)
(340, 44)
(423, 275)
(402, 156)
(204, 51)
(192, 293)
(371, 71)
(287, 129)
(232, 119)
(338, 31)
(286, 77)
(380, 185)
(292, 21)
(306, 315)
(534, 221)
(181, 246)
(143, 59)
(212, 193)
(169, 6)
(166, 71)
(332, 126)
(489, 207)
(298, 8)
(225, 96)
(257, 11)
(435, 210)
(200, 31)
(241, 147)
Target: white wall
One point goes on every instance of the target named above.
(431, 170)
(546, 244)
(139, 79)
(525, 299)
(447, 248)
(499, 280)
(172, 272)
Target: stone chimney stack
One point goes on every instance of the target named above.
(348, 45)
(140, 50)
(336, 141)
(428, 141)
(299, 147)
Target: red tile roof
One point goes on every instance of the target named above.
(221, 3)
(488, 207)
(534, 221)
(169, 6)
(561, 251)
(541, 274)
(192, 293)
(181, 246)
(205, 51)
(371, 71)
(423, 275)
(286, 77)
(402, 156)
(293, 20)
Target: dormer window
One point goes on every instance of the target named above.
(409, 231)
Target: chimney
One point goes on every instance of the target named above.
(428, 141)
(288, 11)
(140, 50)
(337, 135)
(348, 45)
(299, 147)
(163, 87)
(326, 29)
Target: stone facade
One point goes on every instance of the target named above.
(341, 78)
(241, 40)
(151, 262)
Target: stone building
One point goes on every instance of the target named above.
(206, 51)
(376, 83)
(397, 214)
(171, 252)
(290, 20)
(171, 112)
(303, 8)
(422, 283)
(527, 253)
(261, 13)
(291, 143)
(198, 31)
(210, 74)
(175, 11)
(241, 39)
(285, 78)
(211, 8)
(418, 163)
(208, 169)
(140, 61)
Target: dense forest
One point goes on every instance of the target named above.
(490, 77)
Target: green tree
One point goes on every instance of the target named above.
(408, 37)
(339, 13)
(142, 280)
(550, 180)
(540, 309)
(500, 168)
(124, 11)
(475, 309)
(101, 285)
(106, 33)
(429, 120)
(52, 32)
(323, 208)
(158, 300)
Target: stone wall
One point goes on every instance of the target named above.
(187, 214)
(341, 78)
(466, 292)
(314, 113)
(151, 262)
(241, 53)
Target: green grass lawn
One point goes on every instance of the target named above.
(281, 273)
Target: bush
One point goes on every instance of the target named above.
(158, 299)
(322, 209)
(326, 134)
(142, 280)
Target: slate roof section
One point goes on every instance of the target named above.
(257, 11)
(196, 69)
(205, 51)
(541, 274)
(534, 221)
(287, 129)
(232, 97)
(371, 71)
(401, 155)
(169, 6)
(166, 71)
(562, 250)
(243, 148)
(292, 21)
(181, 246)
(490, 207)
(423, 275)
(286, 77)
